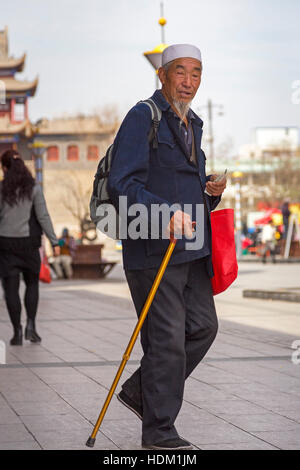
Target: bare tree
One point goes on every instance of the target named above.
(76, 199)
(108, 115)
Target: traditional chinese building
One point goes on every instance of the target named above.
(16, 130)
(72, 145)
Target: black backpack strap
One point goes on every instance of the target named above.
(156, 117)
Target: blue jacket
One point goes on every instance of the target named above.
(156, 176)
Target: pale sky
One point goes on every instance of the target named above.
(90, 53)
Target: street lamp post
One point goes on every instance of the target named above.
(154, 56)
(237, 175)
(38, 149)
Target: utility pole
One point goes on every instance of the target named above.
(209, 107)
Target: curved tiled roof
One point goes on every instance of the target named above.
(6, 127)
(11, 84)
(12, 63)
(73, 125)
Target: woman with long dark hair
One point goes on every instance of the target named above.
(23, 219)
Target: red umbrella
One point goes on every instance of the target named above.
(267, 217)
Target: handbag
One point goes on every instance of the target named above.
(224, 260)
(45, 274)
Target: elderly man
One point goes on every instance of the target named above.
(182, 323)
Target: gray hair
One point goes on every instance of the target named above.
(168, 65)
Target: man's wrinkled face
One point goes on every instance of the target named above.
(182, 79)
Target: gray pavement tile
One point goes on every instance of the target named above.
(214, 354)
(211, 375)
(231, 350)
(7, 416)
(261, 348)
(88, 388)
(68, 356)
(32, 445)
(260, 422)
(90, 407)
(116, 411)
(285, 440)
(237, 407)
(104, 375)
(72, 439)
(126, 434)
(222, 433)
(292, 414)
(244, 389)
(275, 380)
(196, 391)
(24, 387)
(31, 396)
(14, 433)
(41, 407)
(204, 400)
(259, 445)
(11, 359)
(58, 422)
(264, 396)
(15, 375)
(56, 375)
(37, 355)
(250, 370)
(196, 417)
(285, 367)
(3, 402)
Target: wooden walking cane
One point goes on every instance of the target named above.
(91, 440)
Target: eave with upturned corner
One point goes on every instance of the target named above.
(16, 88)
(10, 65)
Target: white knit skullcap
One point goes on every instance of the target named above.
(178, 51)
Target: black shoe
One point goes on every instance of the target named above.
(17, 339)
(131, 405)
(171, 444)
(30, 332)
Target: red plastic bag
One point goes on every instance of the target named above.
(45, 274)
(223, 250)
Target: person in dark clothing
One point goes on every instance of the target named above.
(23, 218)
(182, 322)
(285, 215)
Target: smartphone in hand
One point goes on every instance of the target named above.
(219, 178)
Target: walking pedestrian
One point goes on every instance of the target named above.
(23, 218)
(268, 241)
(182, 323)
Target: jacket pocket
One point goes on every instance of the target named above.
(168, 153)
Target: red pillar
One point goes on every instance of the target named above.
(12, 110)
(26, 108)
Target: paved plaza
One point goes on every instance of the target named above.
(244, 395)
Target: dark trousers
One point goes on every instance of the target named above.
(13, 303)
(178, 331)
